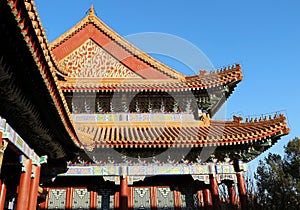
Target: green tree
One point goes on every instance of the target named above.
(278, 179)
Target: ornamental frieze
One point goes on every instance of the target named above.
(91, 60)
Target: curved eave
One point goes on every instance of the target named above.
(218, 133)
(229, 77)
(34, 39)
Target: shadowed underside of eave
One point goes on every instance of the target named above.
(26, 100)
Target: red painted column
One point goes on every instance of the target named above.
(34, 186)
(130, 198)
(123, 193)
(44, 204)
(24, 186)
(93, 200)
(69, 197)
(242, 190)
(207, 199)
(201, 200)
(2, 195)
(232, 195)
(153, 198)
(177, 200)
(117, 201)
(3, 145)
(215, 192)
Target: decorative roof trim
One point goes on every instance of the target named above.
(91, 18)
(227, 76)
(39, 49)
(190, 134)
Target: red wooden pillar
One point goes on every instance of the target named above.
(177, 200)
(2, 195)
(123, 193)
(44, 204)
(130, 198)
(215, 192)
(117, 201)
(3, 145)
(34, 186)
(242, 190)
(232, 195)
(207, 199)
(153, 198)
(69, 197)
(24, 186)
(201, 200)
(93, 200)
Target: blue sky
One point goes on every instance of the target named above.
(263, 36)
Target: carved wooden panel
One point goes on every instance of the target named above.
(105, 199)
(81, 199)
(91, 60)
(141, 198)
(165, 198)
(57, 199)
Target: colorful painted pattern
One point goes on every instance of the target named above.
(141, 198)
(142, 117)
(165, 198)
(57, 199)
(81, 199)
(9, 134)
(90, 60)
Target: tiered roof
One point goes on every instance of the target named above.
(140, 72)
(136, 71)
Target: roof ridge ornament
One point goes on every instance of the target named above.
(92, 10)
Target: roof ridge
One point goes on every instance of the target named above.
(238, 120)
(224, 70)
(93, 19)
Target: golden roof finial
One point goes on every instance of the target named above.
(92, 11)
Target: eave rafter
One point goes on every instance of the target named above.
(188, 134)
(34, 38)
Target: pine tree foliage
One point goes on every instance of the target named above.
(278, 179)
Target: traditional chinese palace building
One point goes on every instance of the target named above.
(91, 122)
